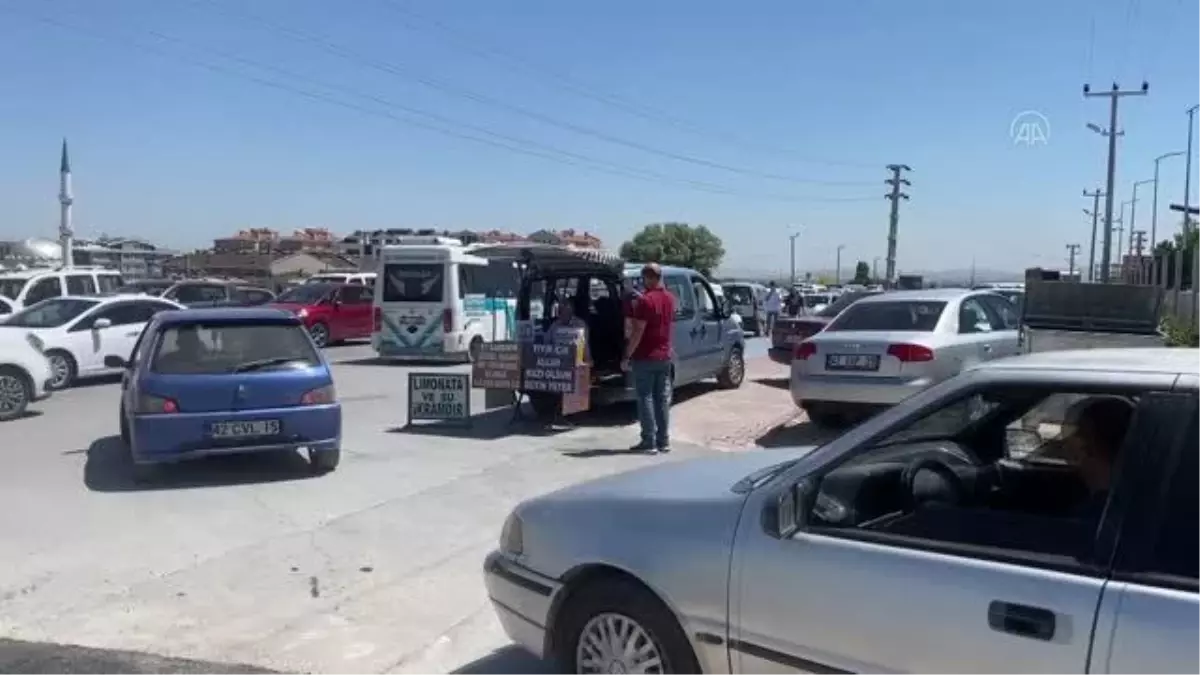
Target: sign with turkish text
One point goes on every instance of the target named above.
(439, 396)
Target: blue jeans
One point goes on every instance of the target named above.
(652, 386)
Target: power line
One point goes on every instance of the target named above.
(392, 68)
(488, 137)
(474, 45)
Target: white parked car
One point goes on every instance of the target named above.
(76, 333)
(24, 373)
(29, 287)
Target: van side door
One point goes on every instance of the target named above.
(709, 343)
(1149, 614)
(685, 329)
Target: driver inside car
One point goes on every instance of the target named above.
(1092, 433)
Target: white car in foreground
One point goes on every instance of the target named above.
(76, 332)
(24, 374)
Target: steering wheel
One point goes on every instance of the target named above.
(948, 487)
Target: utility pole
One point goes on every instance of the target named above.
(894, 219)
(1119, 226)
(792, 242)
(1072, 250)
(1114, 96)
(875, 269)
(1139, 245)
(837, 274)
(1095, 214)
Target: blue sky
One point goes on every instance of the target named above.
(793, 107)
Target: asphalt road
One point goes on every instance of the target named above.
(248, 560)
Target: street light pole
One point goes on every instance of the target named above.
(1095, 214)
(1133, 209)
(1187, 172)
(1154, 215)
(837, 273)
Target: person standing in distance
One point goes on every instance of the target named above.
(648, 354)
(773, 304)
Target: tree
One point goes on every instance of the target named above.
(676, 244)
(862, 273)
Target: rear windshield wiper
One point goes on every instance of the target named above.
(263, 363)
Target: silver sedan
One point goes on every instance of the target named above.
(885, 348)
(924, 540)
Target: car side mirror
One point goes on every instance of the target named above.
(785, 515)
(114, 361)
(100, 323)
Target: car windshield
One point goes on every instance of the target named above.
(896, 315)
(838, 306)
(411, 282)
(740, 295)
(212, 348)
(327, 279)
(815, 299)
(308, 294)
(11, 288)
(50, 313)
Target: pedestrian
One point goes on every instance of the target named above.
(648, 353)
(772, 304)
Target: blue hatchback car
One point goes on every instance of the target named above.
(206, 382)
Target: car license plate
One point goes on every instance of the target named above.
(248, 429)
(852, 362)
(794, 338)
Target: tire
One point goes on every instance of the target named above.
(734, 372)
(124, 426)
(63, 369)
(322, 462)
(825, 418)
(474, 348)
(545, 406)
(621, 601)
(16, 392)
(320, 334)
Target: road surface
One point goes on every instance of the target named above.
(247, 562)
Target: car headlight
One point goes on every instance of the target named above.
(512, 538)
(35, 342)
(302, 312)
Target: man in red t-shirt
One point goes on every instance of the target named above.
(648, 355)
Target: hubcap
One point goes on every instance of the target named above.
(319, 335)
(12, 393)
(60, 371)
(736, 368)
(615, 643)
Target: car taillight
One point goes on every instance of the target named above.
(319, 396)
(447, 320)
(156, 405)
(378, 319)
(804, 350)
(910, 353)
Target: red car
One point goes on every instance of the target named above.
(331, 312)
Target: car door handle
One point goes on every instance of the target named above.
(1037, 623)
(133, 334)
(987, 348)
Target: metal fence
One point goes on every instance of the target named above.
(1176, 273)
